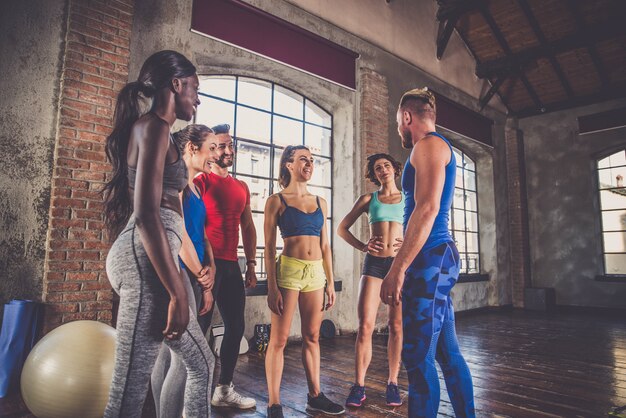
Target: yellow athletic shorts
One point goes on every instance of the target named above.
(301, 275)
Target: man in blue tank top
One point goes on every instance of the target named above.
(427, 265)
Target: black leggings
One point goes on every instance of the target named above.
(230, 297)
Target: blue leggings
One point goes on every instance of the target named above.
(427, 314)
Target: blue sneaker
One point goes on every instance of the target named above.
(393, 395)
(356, 396)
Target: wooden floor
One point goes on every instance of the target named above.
(564, 364)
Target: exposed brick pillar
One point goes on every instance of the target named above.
(374, 118)
(374, 136)
(374, 122)
(518, 212)
(95, 67)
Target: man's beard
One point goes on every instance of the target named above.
(407, 139)
(222, 163)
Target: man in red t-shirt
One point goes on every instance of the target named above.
(227, 202)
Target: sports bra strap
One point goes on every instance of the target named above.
(318, 201)
(282, 199)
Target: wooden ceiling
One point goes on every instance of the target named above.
(542, 55)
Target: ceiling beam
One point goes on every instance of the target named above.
(505, 47)
(613, 92)
(443, 35)
(449, 9)
(582, 38)
(542, 40)
(448, 14)
(482, 102)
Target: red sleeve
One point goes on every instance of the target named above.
(202, 182)
(245, 187)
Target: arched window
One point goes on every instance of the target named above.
(611, 174)
(264, 118)
(464, 219)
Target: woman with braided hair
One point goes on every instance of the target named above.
(143, 215)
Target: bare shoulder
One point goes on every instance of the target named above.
(431, 148)
(273, 203)
(151, 128)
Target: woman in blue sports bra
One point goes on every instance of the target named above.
(385, 208)
(302, 276)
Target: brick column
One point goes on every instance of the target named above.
(374, 136)
(95, 67)
(518, 212)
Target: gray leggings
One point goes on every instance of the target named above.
(169, 374)
(142, 316)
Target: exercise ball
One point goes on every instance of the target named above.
(68, 373)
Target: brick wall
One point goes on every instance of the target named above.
(374, 117)
(518, 212)
(95, 68)
(374, 136)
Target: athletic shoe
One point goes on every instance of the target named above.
(356, 396)
(393, 395)
(225, 395)
(275, 411)
(322, 404)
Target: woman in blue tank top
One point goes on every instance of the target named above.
(302, 276)
(384, 208)
(198, 147)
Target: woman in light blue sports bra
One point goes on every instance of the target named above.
(385, 209)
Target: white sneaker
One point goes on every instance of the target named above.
(225, 395)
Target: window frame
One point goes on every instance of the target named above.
(273, 147)
(465, 276)
(605, 276)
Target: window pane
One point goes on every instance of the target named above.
(288, 103)
(326, 194)
(604, 163)
(219, 86)
(612, 177)
(258, 219)
(259, 191)
(470, 201)
(614, 220)
(615, 263)
(459, 200)
(470, 179)
(459, 219)
(472, 264)
(252, 124)
(459, 239)
(257, 93)
(469, 164)
(619, 158)
(277, 154)
(458, 180)
(458, 156)
(322, 172)
(472, 242)
(614, 242)
(213, 112)
(472, 221)
(317, 139)
(287, 131)
(463, 261)
(253, 159)
(613, 199)
(315, 114)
